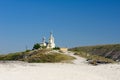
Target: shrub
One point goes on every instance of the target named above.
(56, 48)
(36, 46)
(27, 50)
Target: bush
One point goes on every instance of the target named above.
(36, 46)
(56, 48)
(27, 50)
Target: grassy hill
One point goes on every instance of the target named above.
(37, 56)
(109, 53)
(94, 54)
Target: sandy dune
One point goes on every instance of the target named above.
(58, 71)
(79, 70)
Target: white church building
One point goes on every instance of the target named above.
(50, 44)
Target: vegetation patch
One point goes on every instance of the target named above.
(51, 58)
(37, 56)
(12, 56)
(100, 54)
(95, 59)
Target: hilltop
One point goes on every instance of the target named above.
(37, 56)
(100, 54)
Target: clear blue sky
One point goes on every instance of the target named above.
(73, 22)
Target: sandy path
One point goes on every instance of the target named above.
(78, 60)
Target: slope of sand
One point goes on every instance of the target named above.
(58, 71)
(79, 70)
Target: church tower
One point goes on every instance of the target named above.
(43, 41)
(51, 43)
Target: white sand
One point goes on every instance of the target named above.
(80, 70)
(58, 71)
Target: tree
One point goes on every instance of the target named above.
(56, 48)
(36, 46)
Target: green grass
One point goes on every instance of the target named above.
(99, 49)
(51, 58)
(12, 56)
(36, 56)
(99, 52)
(94, 57)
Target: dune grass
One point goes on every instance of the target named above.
(97, 53)
(94, 57)
(36, 56)
(51, 58)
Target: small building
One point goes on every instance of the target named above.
(64, 49)
(50, 44)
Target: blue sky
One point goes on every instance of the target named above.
(73, 22)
